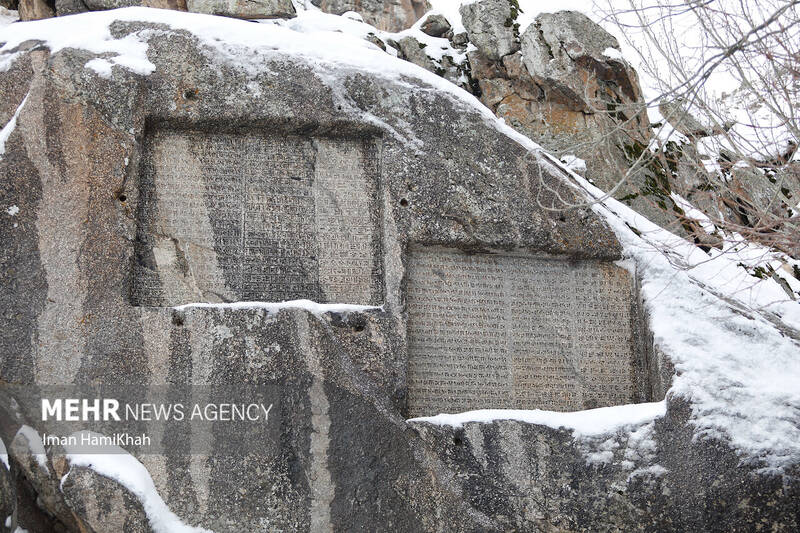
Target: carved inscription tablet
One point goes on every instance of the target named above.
(228, 217)
(489, 331)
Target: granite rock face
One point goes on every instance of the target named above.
(209, 181)
(88, 148)
(564, 84)
(386, 15)
(490, 26)
(659, 478)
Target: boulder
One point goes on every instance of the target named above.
(92, 302)
(243, 9)
(8, 494)
(386, 15)
(491, 26)
(101, 504)
(35, 10)
(568, 89)
(435, 25)
(171, 224)
(70, 7)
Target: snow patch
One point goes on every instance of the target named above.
(5, 133)
(273, 307)
(13, 210)
(719, 326)
(587, 423)
(101, 66)
(4, 457)
(574, 163)
(7, 16)
(35, 445)
(125, 469)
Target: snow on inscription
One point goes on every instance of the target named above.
(228, 217)
(488, 331)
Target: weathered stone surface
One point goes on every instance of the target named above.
(40, 502)
(35, 10)
(537, 479)
(563, 91)
(413, 51)
(386, 15)
(89, 186)
(70, 7)
(342, 377)
(243, 9)
(8, 495)
(101, 504)
(490, 26)
(518, 333)
(435, 25)
(215, 226)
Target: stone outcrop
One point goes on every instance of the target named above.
(101, 504)
(35, 10)
(99, 5)
(134, 194)
(562, 487)
(386, 15)
(564, 84)
(490, 27)
(342, 454)
(435, 26)
(245, 9)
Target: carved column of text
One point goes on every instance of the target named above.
(345, 230)
(279, 256)
(546, 375)
(604, 340)
(457, 337)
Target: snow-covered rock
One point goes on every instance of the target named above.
(716, 448)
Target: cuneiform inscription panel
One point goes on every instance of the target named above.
(227, 217)
(490, 331)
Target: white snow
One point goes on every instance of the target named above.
(5, 133)
(243, 44)
(273, 307)
(582, 423)
(7, 16)
(101, 66)
(574, 163)
(4, 455)
(716, 322)
(35, 445)
(612, 53)
(130, 473)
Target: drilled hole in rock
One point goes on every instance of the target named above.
(403, 202)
